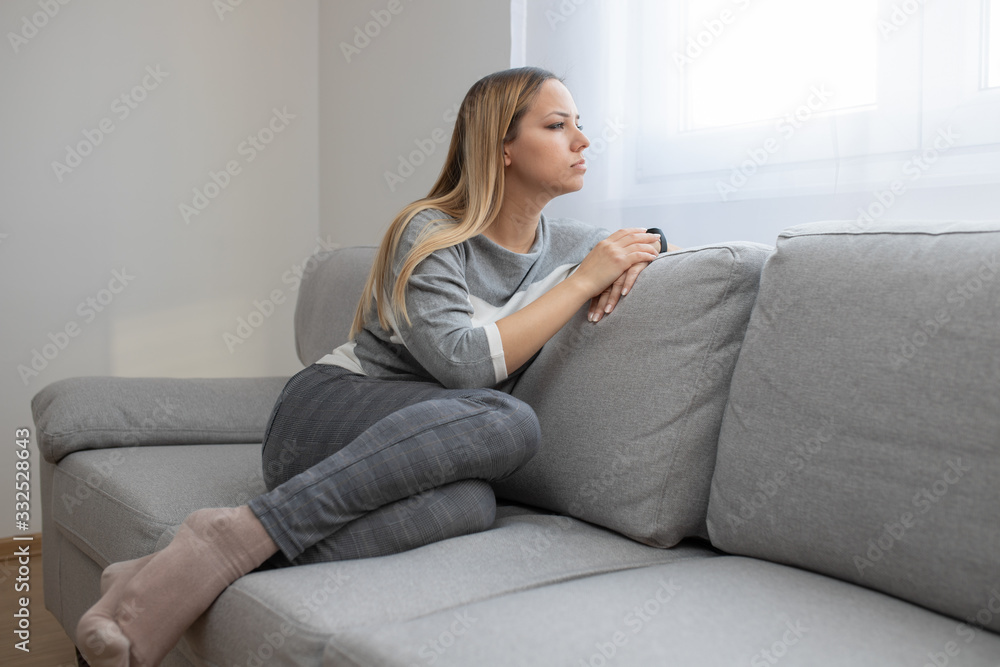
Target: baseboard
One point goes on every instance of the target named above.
(10, 545)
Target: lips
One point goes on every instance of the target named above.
(582, 164)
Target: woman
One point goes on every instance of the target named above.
(389, 442)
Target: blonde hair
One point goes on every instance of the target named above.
(469, 189)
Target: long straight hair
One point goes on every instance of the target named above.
(469, 189)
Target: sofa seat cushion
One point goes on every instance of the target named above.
(123, 503)
(722, 611)
(286, 616)
(115, 504)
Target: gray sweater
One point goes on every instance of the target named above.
(454, 299)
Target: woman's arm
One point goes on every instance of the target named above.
(523, 333)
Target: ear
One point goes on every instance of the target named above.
(506, 155)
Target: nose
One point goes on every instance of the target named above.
(582, 141)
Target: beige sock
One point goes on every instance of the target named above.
(212, 549)
(98, 636)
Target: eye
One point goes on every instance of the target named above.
(557, 126)
(580, 127)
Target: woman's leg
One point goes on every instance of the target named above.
(325, 407)
(457, 435)
(485, 435)
(460, 508)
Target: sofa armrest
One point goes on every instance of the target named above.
(104, 412)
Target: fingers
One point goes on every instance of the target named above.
(645, 243)
(615, 293)
(605, 302)
(644, 254)
(633, 235)
(639, 248)
(597, 305)
(631, 275)
(621, 233)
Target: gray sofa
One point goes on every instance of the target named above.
(765, 456)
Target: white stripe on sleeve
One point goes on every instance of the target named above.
(496, 351)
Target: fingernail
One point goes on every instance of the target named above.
(624, 291)
(607, 308)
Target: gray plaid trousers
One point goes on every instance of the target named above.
(359, 466)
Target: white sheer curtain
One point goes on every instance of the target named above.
(731, 119)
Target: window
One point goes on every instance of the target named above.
(754, 63)
(991, 43)
(747, 99)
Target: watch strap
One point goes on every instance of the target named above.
(663, 238)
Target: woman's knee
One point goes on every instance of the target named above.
(518, 424)
(528, 430)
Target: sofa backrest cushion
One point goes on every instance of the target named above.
(630, 407)
(328, 296)
(862, 435)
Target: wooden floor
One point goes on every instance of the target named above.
(50, 647)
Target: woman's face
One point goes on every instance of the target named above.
(547, 155)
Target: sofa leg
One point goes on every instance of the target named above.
(80, 660)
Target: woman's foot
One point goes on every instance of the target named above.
(101, 640)
(152, 608)
(116, 573)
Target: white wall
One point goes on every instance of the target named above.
(388, 99)
(64, 235)
(319, 182)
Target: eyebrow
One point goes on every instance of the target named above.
(560, 113)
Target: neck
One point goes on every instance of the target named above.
(517, 222)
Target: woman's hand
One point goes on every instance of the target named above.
(605, 302)
(613, 258)
(524, 332)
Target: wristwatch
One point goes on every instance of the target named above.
(663, 239)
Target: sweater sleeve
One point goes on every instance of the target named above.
(441, 335)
